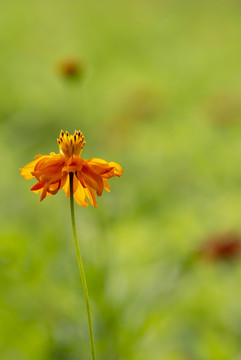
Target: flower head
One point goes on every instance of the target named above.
(52, 171)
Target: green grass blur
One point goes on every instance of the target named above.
(158, 91)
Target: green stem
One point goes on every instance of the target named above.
(81, 268)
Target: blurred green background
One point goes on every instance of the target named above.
(158, 91)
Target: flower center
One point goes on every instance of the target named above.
(71, 144)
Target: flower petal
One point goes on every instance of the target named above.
(57, 185)
(106, 186)
(80, 178)
(117, 168)
(92, 179)
(44, 192)
(107, 169)
(49, 167)
(38, 185)
(80, 196)
(66, 186)
(27, 170)
(90, 193)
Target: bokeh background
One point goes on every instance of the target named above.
(155, 86)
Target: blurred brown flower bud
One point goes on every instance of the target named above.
(70, 68)
(221, 247)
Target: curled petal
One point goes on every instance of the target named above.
(106, 186)
(27, 170)
(92, 179)
(100, 166)
(49, 167)
(44, 192)
(80, 196)
(39, 191)
(56, 186)
(107, 169)
(117, 169)
(81, 179)
(38, 185)
(90, 193)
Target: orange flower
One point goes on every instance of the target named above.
(52, 171)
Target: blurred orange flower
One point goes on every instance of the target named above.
(52, 171)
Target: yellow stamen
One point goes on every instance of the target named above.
(71, 144)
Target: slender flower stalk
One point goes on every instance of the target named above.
(81, 268)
